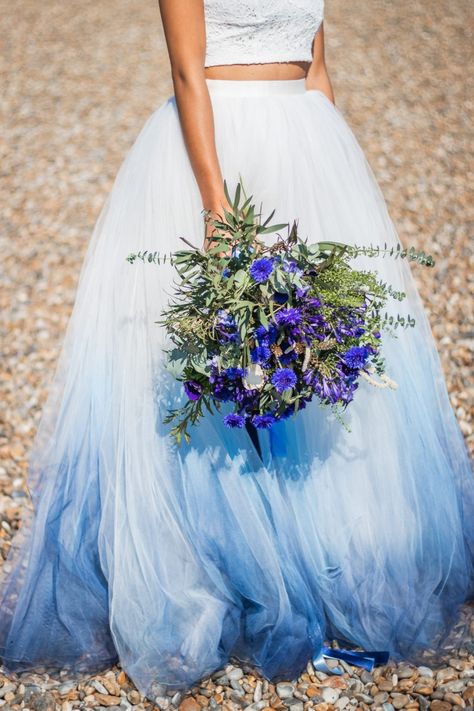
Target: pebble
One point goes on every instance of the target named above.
(440, 706)
(329, 694)
(285, 690)
(399, 700)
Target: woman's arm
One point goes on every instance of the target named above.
(184, 27)
(317, 76)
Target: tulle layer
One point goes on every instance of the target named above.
(174, 559)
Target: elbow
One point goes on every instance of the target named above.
(186, 77)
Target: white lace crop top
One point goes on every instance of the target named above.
(260, 31)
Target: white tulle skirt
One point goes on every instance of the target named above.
(173, 559)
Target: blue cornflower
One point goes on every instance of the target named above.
(260, 354)
(234, 420)
(266, 336)
(226, 273)
(263, 422)
(284, 379)
(287, 358)
(261, 334)
(356, 357)
(288, 316)
(234, 373)
(261, 269)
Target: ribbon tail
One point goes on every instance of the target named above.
(366, 659)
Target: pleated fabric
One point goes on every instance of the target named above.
(172, 559)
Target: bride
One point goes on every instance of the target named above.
(172, 559)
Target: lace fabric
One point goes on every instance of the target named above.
(260, 31)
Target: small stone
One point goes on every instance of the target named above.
(337, 682)
(445, 675)
(388, 707)
(111, 684)
(468, 695)
(405, 685)
(312, 691)
(406, 672)
(6, 689)
(189, 704)
(122, 678)
(366, 677)
(329, 694)
(98, 686)
(455, 686)
(453, 698)
(423, 689)
(66, 688)
(399, 700)
(203, 700)
(385, 685)
(134, 697)
(43, 702)
(438, 705)
(341, 702)
(257, 694)
(459, 664)
(235, 674)
(425, 671)
(380, 698)
(284, 690)
(295, 705)
(107, 699)
(176, 698)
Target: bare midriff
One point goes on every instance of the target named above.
(272, 70)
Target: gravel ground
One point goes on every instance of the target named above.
(79, 80)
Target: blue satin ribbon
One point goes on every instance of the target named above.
(366, 659)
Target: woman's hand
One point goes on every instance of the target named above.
(213, 212)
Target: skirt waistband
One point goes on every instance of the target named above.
(255, 87)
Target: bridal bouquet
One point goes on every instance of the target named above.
(267, 328)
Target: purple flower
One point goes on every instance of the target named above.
(356, 357)
(284, 379)
(291, 267)
(260, 354)
(226, 327)
(301, 292)
(193, 389)
(234, 420)
(376, 334)
(288, 316)
(226, 273)
(263, 422)
(261, 269)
